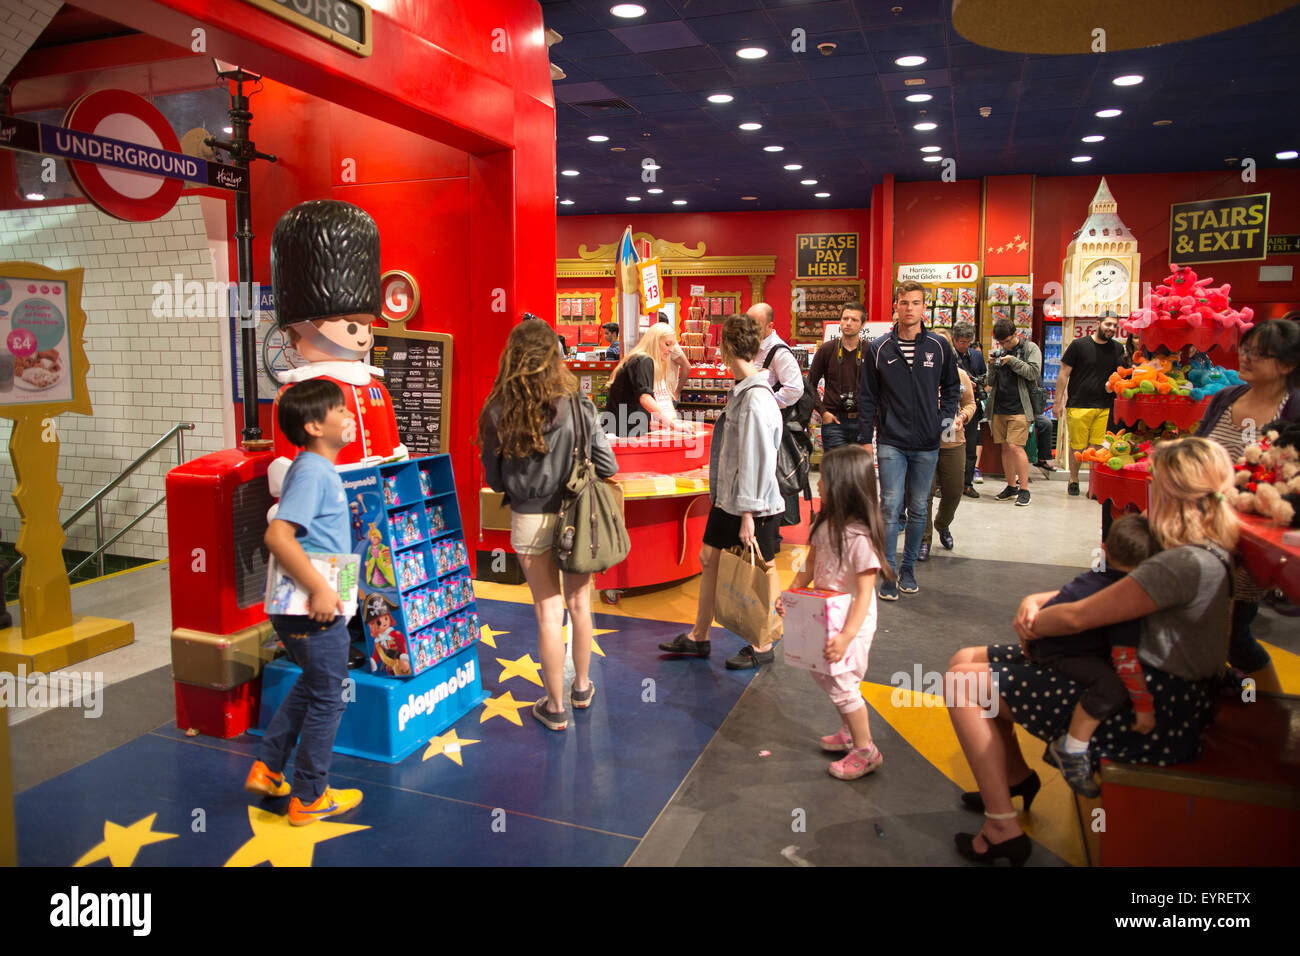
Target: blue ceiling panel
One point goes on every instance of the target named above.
(709, 8)
(616, 66)
(971, 54)
(792, 107)
(1081, 67)
(714, 81)
(656, 36)
(770, 73)
(875, 13)
(580, 46)
(779, 93)
(897, 81)
(814, 18)
(685, 60)
(735, 27)
(662, 104)
(822, 67)
(897, 41)
(568, 92)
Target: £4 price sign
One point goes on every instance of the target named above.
(651, 288)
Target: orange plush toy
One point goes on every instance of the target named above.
(1150, 378)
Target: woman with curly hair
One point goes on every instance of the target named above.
(527, 433)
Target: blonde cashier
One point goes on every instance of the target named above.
(639, 394)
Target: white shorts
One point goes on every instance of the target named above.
(531, 533)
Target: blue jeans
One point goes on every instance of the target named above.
(905, 479)
(844, 433)
(310, 713)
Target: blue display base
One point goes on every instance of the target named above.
(390, 718)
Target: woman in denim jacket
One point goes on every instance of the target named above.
(747, 504)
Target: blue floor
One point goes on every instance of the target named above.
(523, 796)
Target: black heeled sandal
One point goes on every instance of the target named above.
(1016, 850)
(1027, 788)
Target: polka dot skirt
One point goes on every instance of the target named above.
(1043, 700)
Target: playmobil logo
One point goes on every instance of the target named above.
(132, 910)
(360, 483)
(425, 702)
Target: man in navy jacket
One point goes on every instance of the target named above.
(907, 398)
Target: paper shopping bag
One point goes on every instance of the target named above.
(746, 597)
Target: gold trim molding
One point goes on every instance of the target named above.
(662, 248)
(705, 266)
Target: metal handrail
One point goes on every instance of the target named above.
(94, 501)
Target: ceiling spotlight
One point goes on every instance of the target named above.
(822, 195)
(655, 192)
(751, 53)
(807, 182)
(1095, 138)
(925, 127)
(932, 159)
(679, 202)
(750, 127)
(931, 149)
(920, 97)
(748, 197)
(633, 198)
(651, 165)
(1107, 114)
(628, 11)
(1163, 123)
(793, 166)
(566, 202)
(721, 98)
(568, 172)
(909, 61)
(618, 149)
(1080, 159)
(1132, 79)
(773, 149)
(1287, 154)
(598, 139)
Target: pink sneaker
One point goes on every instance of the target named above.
(839, 742)
(858, 763)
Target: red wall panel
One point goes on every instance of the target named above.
(937, 221)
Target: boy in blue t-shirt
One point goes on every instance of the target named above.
(312, 517)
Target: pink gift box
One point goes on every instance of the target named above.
(811, 616)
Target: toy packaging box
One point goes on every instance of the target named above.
(284, 595)
(811, 616)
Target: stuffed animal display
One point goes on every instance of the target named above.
(1207, 380)
(1156, 376)
(1267, 480)
(1184, 299)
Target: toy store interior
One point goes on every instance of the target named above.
(1088, 221)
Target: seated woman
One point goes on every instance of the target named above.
(639, 392)
(1182, 596)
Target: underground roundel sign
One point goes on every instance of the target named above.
(117, 114)
(401, 295)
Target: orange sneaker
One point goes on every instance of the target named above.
(330, 803)
(261, 780)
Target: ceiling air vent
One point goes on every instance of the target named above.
(614, 107)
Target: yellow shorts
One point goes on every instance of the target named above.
(1087, 426)
(1009, 429)
(531, 533)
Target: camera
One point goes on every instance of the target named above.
(849, 402)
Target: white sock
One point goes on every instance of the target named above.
(1073, 746)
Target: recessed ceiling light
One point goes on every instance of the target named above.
(679, 202)
(909, 61)
(1093, 139)
(628, 11)
(566, 202)
(773, 149)
(721, 98)
(931, 159)
(650, 165)
(920, 97)
(1080, 159)
(1131, 79)
(568, 172)
(1287, 154)
(807, 182)
(35, 197)
(931, 149)
(1107, 114)
(748, 197)
(655, 192)
(822, 195)
(925, 127)
(1163, 123)
(751, 126)
(598, 139)
(793, 166)
(751, 53)
(633, 198)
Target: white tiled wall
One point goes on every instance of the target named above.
(21, 22)
(146, 373)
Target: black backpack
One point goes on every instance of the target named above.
(794, 457)
(800, 413)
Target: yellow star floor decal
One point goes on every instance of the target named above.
(595, 647)
(504, 706)
(489, 636)
(922, 720)
(121, 844)
(524, 667)
(276, 841)
(449, 745)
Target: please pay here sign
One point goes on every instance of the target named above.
(822, 255)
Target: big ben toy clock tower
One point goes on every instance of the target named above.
(1101, 270)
